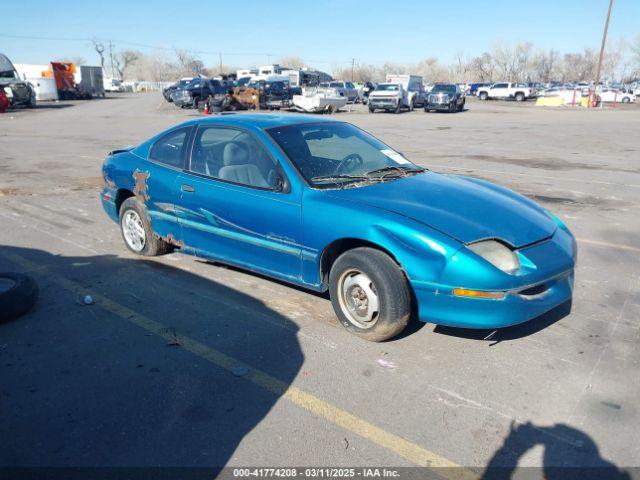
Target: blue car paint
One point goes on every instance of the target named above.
(422, 221)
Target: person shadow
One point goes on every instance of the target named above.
(162, 368)
(569, 454)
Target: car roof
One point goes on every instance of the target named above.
(261, 121)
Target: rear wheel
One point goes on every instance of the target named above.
(519, 97)
(137, 232)
(371, 109)
(370, 294)
(483, 96)
(626, 100)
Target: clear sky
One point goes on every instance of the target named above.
(325, 34)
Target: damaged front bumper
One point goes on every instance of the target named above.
(550, 285)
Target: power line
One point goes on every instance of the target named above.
(171, 49)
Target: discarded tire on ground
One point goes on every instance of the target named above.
(18, 293)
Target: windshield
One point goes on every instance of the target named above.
(387, 87)
(338, 155)
(444, 88)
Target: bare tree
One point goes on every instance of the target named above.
(125, 60)
(294, 62)
(544, 66)
(482, 68)
(99, 48)
(189, 64)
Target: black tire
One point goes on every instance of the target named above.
(398, 108)
(18, 296)
(626, 100)
(483, 96)
(371, 109)
(426, 110)
(461, 107)
(32, 101)
(453, 107)
(153, 245)
(390, 284)
(520, 97)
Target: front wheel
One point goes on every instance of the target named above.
(371, 109)
(370, 294)
(483, 96)
(519, 97)
(398, 107)
(136, 230)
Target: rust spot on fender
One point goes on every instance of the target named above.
(170, 239)
(140, 186)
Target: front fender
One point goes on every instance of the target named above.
(421, 251)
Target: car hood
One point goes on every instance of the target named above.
(464, 208)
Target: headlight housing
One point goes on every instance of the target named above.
(497, 254)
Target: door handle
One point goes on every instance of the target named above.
(187, 188)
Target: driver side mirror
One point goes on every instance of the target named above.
(280, 183)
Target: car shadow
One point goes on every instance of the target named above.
(160, 367)
(510, 333)
(569, 454)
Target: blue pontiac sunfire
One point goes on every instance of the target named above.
(324, 205)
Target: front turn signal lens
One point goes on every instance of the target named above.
(463, 292)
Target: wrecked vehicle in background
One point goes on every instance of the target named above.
(326, 206)
(319, 100)
(264, 95)
(17, 91)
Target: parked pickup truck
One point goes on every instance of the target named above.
(198, 91)
(517, 91)
(398, 92)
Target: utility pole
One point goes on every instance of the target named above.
(604, 41)
(220, 57)
(353, 61)
(111, 56)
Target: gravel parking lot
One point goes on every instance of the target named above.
(180, 362)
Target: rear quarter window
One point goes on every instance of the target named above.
(169, 149)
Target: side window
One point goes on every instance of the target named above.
(234, 156)
(501, 85)
(169, 149)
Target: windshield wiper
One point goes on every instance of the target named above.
(322, 178)
(388, 170)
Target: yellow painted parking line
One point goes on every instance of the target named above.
(600, 243)
(414, 453)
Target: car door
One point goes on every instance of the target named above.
(235, 204)
(155, 181)
(499, 90)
